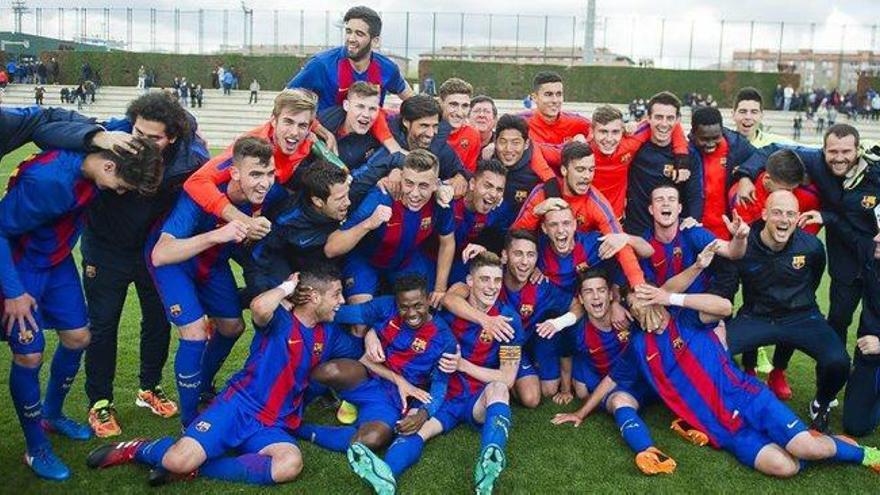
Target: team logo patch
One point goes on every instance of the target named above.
(465, 144)
(623, 336)
(175, 310)
(426, 223)
(581, 219)
(582, 267)
(676, 252)
(869, 201)
(25, 336)
(626, 158)
(520, 196)
(203, 426)
(318, 348)
(678, 343)
(485, 336)
(669, 170)
(91, 271)
(526, 310)
(798, 262)
(419, 345)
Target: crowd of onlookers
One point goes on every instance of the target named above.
(818, 103)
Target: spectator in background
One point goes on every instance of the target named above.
(429, 86)
(65, 95)
(875, 106)
(228, 79)
(142, 79)
(710, 101)
(778, 97)
(4, 79)
(192, 95)
(787, 95)
(11, 67)
(255, 88)
(199, 93)
(52, 69)
(221, 74)
(797, 125)
(86, 71)
(183, 92)
(236, 78)
(42, 73)
(39, 92)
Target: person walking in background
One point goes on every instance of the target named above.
(255, 88)
(142, 79)
(228, 79)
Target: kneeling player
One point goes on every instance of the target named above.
(41, 218)
(598, 347)
(190, 265)
(687, 365)
(261, 402)
(478, 392)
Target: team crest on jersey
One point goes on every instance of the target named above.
(485, 336)
(465, 144)
(869, 201)
(318, 348)
(426, 223)
(419, 345)
(526, 310)
(678, 343)
(91, 271)
(25, 336)
(175, 310)
(203, 426)
(623, 336)
(582, 267)
(520, 196)
(798, 262)
(676, 252)
(669, 170)
(581, 220)
(626, 158)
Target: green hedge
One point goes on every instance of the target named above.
(602, 83)
(121, 68)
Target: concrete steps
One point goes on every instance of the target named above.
(224, 117)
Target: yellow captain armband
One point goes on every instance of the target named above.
(510, 352)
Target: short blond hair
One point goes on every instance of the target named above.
(297, 99)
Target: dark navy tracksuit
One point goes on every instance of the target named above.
(46, 127)
(112, 258)
(779, 305)
(861, 403)
(654, 165)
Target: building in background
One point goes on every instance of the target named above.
(818, 69)
(557, 55)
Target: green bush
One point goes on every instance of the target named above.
(602, 83)
(121, 68)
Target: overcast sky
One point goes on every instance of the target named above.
(629, 27)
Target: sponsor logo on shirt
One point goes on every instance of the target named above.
(203, 426)
(798, 262)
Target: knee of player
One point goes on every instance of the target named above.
(231, 328)
(76, 339)
(28, 360)
(327, 372)
(179, 462)
(780, 466)
(497, 392)
(373, 438)
(530, 399)
(286, 468)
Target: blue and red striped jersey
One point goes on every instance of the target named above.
(42, 214)
(330, 74)
(672, 258)
(601, 348)
(563, 270)
(282, 356)
(393, 243)
(535, 303)
(692, 372)
(479, 347)
(412, 353)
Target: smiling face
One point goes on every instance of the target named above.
(487, 190)
(152, 130)
(548, 99)
(482, 117)
(520, 259)
(485, 284)
(841, 154)
(420, 132)
(662, 118)
(255, 177)
(455, 108)
(510, 145)
(665, 206)
(358, 42)
(781, 213)
(559, 226)
(291, 127)
(413, 307)
(329, 301)
(337, 203)
(360, 112)
(608, 136)
(578, 174)
(595, 296)
(707, 137)
(747, 116)
(417, 188)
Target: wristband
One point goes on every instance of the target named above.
(564, 321)
(676, 299)
(287, 287)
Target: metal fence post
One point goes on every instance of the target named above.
(275, 28)
(152, 30)
(225, 30)
(662, 36)
(720, 43)
(516, 41)
(38, 21)
(490, 37)
(302, 32)
(546, 22)
(129, 22)
(461, 37)
(779, 52)
(61, 22)
(574, 37)
(406, 40)
(434, 34)
(107, 24)
(691, 48)
(751, 39)
(176, 30)
(326, 29)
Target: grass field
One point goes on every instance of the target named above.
(543, 458)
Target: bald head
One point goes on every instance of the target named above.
(782, 198)
(781, 215)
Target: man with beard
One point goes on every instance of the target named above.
(287, 131)
(483, 117)
(478, 392)
(598, 348)
(189, 261)
(389, 247)
(455, 103)
(549, 123)
(262, 402)
(780, 273)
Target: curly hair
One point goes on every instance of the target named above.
(159, 107)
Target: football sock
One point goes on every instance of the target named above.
(253, 469)
(497, 425)
(335, 438)
(403, 453)
(24, 386)
(216, 353)
(847, 452)
(151, 453)
(65, 365)
(633, 429)
(188, 372)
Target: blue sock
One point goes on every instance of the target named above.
(216, 352)
(24, 386)
(253, 469)
(65, 365)
(188, 372)
(633, 429)
(403, 453)
(335, 438)
(497, 425)
(151, 453)
(847, 452)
